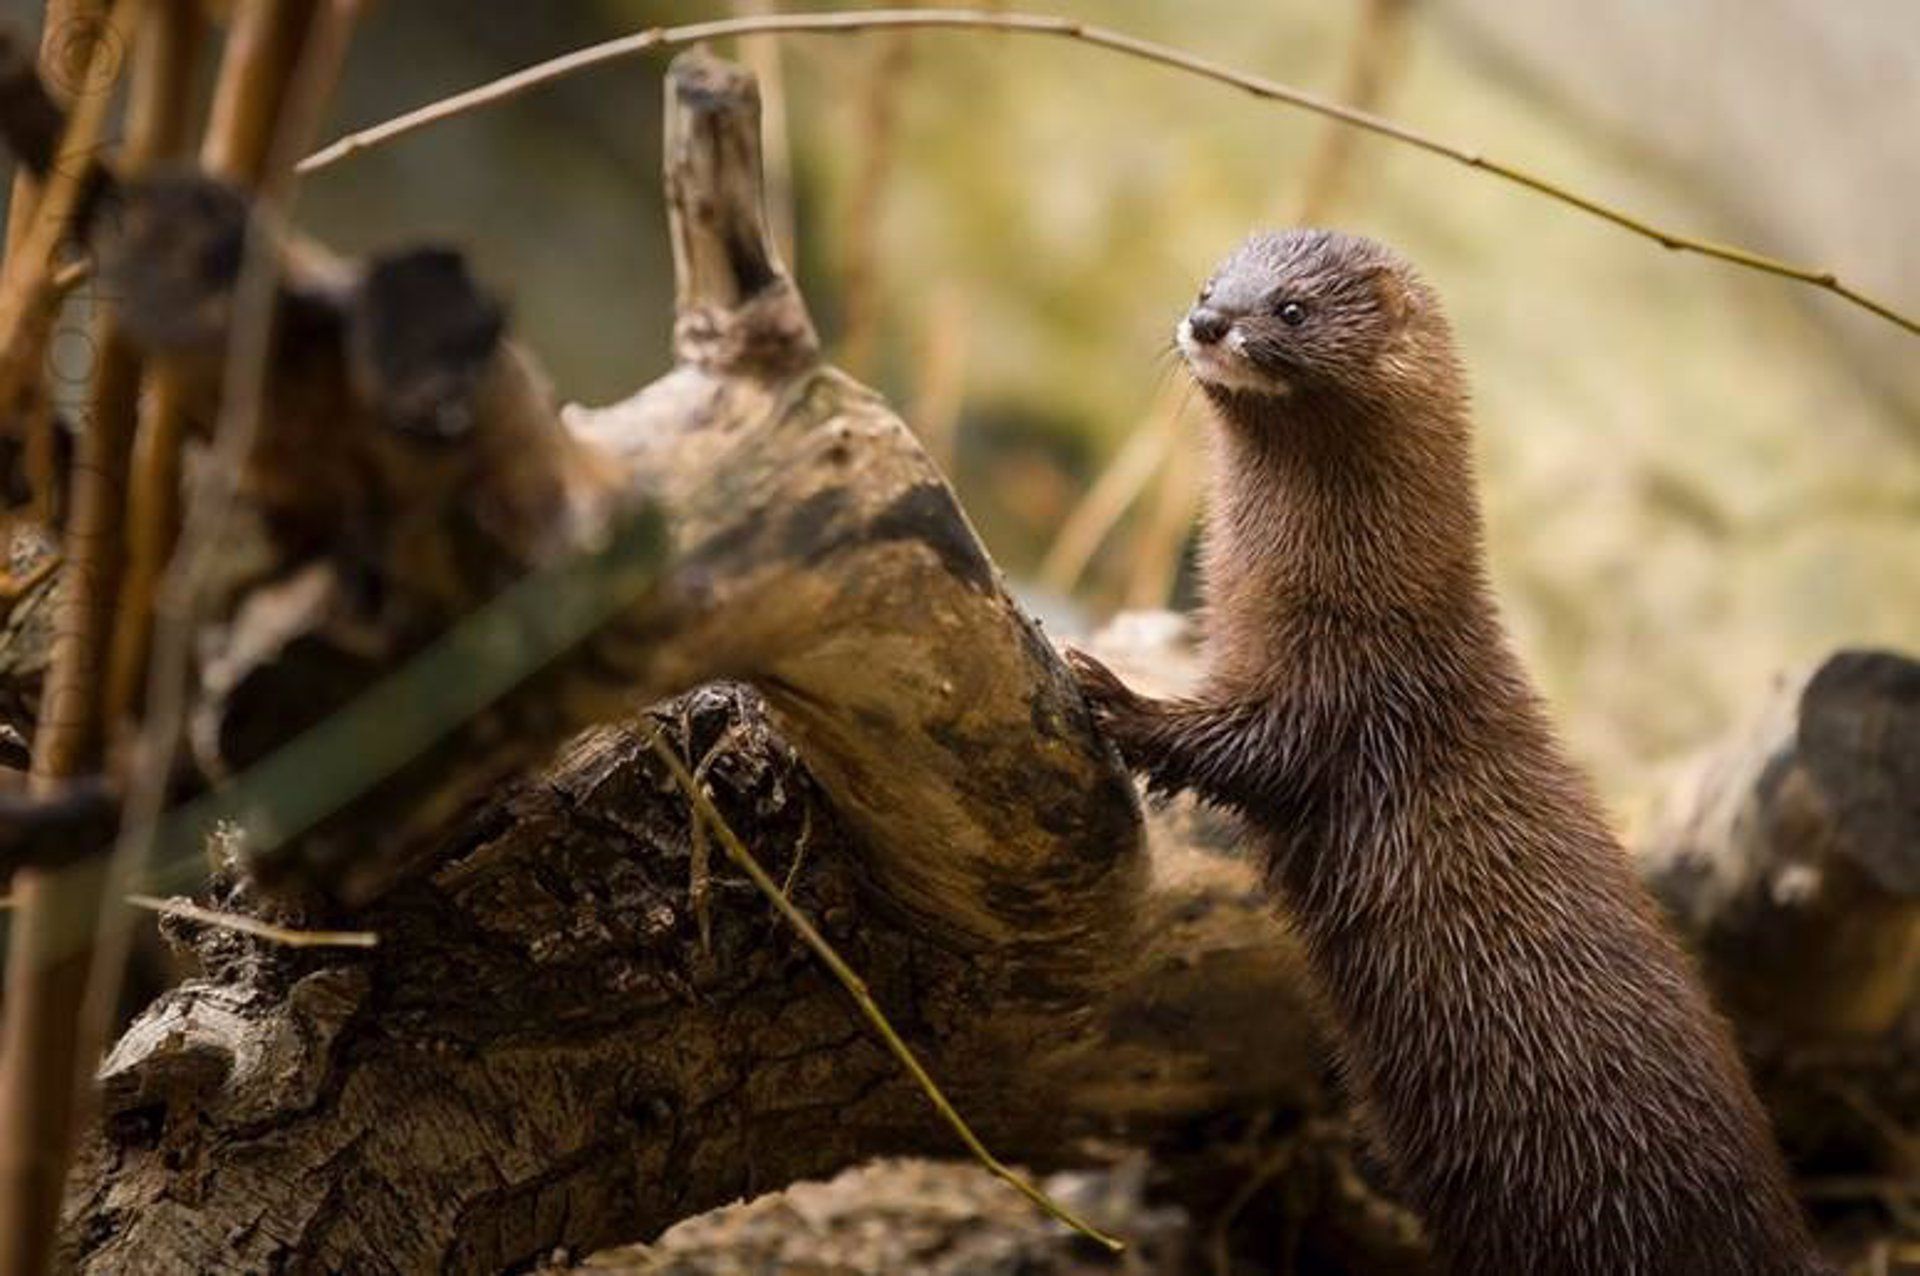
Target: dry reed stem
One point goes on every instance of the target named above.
(159, 115)
(159, 123)
(1112, 494)
(940, 366)
(1373, 56)
(294, 83)
(60, 19)
(256, 68)
(862, 278)
(27, 292)
(1154, 566)
(40, 1063)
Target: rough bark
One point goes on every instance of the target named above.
(543, 1053)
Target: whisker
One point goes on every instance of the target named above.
(1165, 364)
(1186, 396)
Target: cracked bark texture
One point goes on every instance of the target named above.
(543, 1053)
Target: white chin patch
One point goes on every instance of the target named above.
(1223, 366)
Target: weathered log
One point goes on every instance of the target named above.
(543, 1051)
(1796, 849)
(554, 947)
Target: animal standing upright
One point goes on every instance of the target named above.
(1552, 1088)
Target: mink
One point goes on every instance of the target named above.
(1547, 1078)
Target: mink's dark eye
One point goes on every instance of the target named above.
(1206, 291)
(1291, 313)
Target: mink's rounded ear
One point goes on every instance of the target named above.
(1397, 301)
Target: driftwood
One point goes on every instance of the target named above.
(982, 861)
(575, 1031)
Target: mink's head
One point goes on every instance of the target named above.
(1319, 313)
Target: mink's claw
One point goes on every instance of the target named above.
(1104, 692)
(1127, 718)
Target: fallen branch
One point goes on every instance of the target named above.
(1792, 855)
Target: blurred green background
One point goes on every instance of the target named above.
(1696, 477)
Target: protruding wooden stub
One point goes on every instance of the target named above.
(724, 260)
(821, 556)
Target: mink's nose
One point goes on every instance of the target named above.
(1207, 324)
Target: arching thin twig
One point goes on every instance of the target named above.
(1102, 37)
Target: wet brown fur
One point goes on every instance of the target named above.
(1547, 1076)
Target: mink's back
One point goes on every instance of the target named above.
(1559, 1095)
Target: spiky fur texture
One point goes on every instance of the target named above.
(1548, 1079)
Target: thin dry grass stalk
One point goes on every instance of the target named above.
(941, 368)
(241, 923)
(1379, 40)
(1113, 493)
(705, 812)
(1153, 568)
(862, 280)
(40, 1063)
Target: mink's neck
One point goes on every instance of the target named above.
(1336, 529)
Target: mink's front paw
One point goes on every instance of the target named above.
(1125, 716)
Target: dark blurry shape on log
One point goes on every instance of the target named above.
(1791, 858)
(1797, 849)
